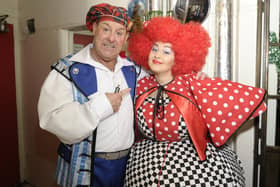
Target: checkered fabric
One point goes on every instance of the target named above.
(105, 11)
(161, 163)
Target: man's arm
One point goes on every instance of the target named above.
(69, 120)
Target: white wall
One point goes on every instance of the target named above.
(247, 74)
(8, 5)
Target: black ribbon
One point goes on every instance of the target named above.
(159, 103)
(158, 107)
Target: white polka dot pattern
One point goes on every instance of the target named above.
(228, 106)
(224, 105)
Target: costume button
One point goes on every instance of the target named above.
(75, 71)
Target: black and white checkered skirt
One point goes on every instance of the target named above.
(155, 163)
(177, 164)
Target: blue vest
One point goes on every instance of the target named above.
(74, 161)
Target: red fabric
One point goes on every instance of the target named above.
(195, 124)
(122, 54)
(216, 106)
(105, 11)
(226, 105)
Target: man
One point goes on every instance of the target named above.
(92, 91)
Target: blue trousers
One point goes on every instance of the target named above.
(109, 173)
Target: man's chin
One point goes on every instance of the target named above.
(111, 57)
(110, 53)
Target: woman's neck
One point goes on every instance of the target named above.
(164, 79)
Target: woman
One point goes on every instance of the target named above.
(185, 122)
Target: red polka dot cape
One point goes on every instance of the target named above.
(213, 109)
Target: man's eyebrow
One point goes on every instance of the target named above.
(102, 23)
(120, 29)
(110, 26)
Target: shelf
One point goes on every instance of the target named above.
(273, 97)
(274, 44)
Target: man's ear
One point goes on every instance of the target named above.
(127, 35)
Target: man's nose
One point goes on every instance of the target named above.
(112, 37)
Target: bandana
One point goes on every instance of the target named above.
(106, 12)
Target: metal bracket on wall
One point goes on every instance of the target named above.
(3, 24)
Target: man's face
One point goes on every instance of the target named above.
(109, 39)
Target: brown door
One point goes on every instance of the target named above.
(9, 159)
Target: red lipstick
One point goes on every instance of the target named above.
(156, 62)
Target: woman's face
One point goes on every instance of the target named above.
(161, 58)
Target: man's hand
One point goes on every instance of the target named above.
(116, 98)
(201, 75)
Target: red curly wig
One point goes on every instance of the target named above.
(190, 43)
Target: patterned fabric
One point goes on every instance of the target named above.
(77, 171)
(178, 131)
(162, 163)
(224, 105)
(168, 156)
(105, 11)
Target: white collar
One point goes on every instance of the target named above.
(83, 56)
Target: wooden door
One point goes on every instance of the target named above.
(9, 158)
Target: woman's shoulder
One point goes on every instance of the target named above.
(146, 83)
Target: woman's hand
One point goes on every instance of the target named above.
(201, 76)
